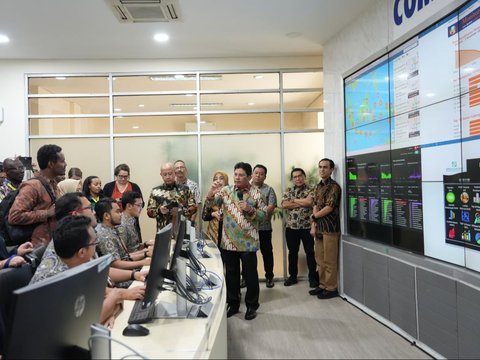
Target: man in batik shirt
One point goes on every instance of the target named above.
(165, 199)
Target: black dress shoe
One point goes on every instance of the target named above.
(290, 281)
(270, 283)
(326, 294)
(231, 311)
(316, 291)
(251, 313)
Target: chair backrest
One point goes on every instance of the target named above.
(11, 279)
(35, 257)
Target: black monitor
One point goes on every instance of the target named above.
(158, 265)
(178, 244)
(52, 318)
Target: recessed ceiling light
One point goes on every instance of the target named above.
(135, 127)
(4, 39)
(161, 37)
(258, 77)
(117, 109)
(141, 105)
(251, 104)
(60, 78)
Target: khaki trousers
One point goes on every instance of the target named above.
(326, 256)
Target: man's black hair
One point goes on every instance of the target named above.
(46, 154)
(103, 206)
(245, 166)
(261, 167)
(295, 170)
(68, 203)
(70, 235)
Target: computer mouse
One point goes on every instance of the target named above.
(135, 330)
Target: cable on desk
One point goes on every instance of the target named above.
(183, 291)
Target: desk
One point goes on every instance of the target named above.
(181, 338)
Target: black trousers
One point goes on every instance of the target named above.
(232, 276)
(293, 237)
(267, 252)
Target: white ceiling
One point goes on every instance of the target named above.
(88, 29)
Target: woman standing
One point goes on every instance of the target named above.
(213, 214)
(115, 189)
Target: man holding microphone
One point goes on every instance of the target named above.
(243, 209)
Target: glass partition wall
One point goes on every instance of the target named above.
(210, 120)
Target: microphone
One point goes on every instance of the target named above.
(240, 195)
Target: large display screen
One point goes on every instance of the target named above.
(412, 121)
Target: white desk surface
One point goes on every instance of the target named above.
(180, 338)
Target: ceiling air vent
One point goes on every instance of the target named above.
(138, 11)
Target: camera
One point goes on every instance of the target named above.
(26, 162)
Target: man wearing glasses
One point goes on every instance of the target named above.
(109, 241)
(132, 204)
(15, 172)
(165, 199)
(74, 241)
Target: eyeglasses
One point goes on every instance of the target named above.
(123, 176)
(95, 243)
(88, 207)
(139, 205)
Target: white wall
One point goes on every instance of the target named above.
(13, 131)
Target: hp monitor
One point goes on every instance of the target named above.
(52, 318)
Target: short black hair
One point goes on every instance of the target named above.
(70, 235)
(130, 197)
(297, 169)
(46, 154)
(68, 203)
(261, 167)
(332, 164)
(245, 166)
(120, 167)
(103, 206)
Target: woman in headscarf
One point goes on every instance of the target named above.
(69, 186)
(213, 213)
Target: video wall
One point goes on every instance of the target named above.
(412, 135)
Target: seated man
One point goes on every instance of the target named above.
(132, 204)
(109, 241)
(77, 204)
(74, 240)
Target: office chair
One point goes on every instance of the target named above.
(11, 279)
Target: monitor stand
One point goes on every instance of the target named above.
(194, 246)
(182, 308)
(179, 309)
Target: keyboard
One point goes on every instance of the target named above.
(141, 315)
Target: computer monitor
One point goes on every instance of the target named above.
(52, 318)
(178, 244)
(158, 265)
